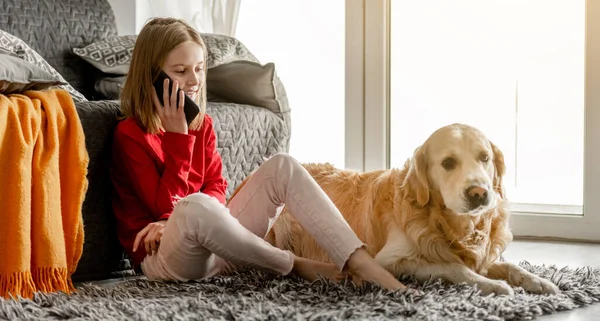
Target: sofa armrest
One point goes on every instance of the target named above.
(246, 135)
(102, 253)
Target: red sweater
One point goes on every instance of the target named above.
(150, 170)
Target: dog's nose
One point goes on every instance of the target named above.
(477, 196)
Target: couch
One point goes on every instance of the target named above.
(246, 133)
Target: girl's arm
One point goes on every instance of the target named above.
(156, 191)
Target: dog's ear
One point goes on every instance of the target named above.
(499, 170)
(416, 183)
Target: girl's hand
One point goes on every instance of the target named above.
(151, 235)
(171, 115)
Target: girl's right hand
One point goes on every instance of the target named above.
(150, 237)
(171, 115)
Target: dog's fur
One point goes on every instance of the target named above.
(416, 220)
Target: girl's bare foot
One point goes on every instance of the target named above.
(363, 267)
(310, 270)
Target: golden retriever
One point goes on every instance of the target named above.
(443, 215)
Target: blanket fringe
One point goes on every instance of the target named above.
(26, 284)
(50, 280)
(16, 285)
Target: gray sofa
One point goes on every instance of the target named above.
(246, 134)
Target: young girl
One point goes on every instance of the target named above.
(169, 196)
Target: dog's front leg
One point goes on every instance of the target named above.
(457, 273)
(518, 276)
(399, 257)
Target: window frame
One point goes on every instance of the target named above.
(367, 122)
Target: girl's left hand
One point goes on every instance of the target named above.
(151, 234)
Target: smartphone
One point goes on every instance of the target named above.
(190, 108)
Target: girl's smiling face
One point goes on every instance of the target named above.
(185, 64)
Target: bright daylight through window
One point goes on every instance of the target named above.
(512, 68)
(305, 40)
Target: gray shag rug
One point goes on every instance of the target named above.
(251, 295)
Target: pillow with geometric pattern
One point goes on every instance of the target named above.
(20, 49)
(111, 55)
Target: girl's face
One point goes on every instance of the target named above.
(185, 64)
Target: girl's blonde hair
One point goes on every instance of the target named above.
(158, 37)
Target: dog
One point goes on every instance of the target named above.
(443, 215)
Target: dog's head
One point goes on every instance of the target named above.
(462, 165)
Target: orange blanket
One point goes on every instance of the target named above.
(43, 168)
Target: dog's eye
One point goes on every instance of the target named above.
(449, 163)
(485, 158)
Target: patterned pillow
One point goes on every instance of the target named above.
(224, 49)
(19, 48)
(113, 55)
(18, 75)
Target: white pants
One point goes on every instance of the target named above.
(202, 235)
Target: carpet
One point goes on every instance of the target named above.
(252, 295)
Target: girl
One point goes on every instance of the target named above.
(158, 161)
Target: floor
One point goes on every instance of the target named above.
(561, 254)
(545, 252)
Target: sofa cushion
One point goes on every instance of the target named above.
(247, 82)
(110, 87)
(17, 75)
(111, 55)
(223, 49)
(19, 48)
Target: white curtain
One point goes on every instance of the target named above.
(208, 16)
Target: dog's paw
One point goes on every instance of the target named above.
(535, 284)
(495, 287)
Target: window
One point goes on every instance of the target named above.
(305, 40)
(526, 72)
(512, 68)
